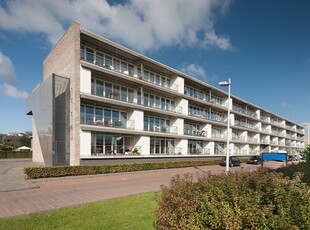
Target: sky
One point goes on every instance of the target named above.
(262, 45)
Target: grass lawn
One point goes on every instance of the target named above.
(132, 212)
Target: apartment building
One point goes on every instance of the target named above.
(100, 100)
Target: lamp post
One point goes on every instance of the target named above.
(227, 83)
(307, 124)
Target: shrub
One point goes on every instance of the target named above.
(11, 154)
(60, 171)
(252, 200)
(300, 168)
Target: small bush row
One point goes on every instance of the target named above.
(262, 199)
(60, 171)
(20, 154)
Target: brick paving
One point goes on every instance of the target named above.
(53, 193)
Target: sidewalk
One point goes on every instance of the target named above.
(12, 175)
(62, 192)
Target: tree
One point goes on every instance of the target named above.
(6, 147)
(306, 153)
(25, 140)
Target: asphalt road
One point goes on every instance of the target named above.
(53, 193)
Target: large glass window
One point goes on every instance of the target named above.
(99, 88)
(124, 94)
(98, 114)
(89, 115)
(99, 58)
(107, 117)
(162, 146)
(130, 95)
(116, 64)
(90, 55)
(108, 61)
(108, 90)
(124, 67)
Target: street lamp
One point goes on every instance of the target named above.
(227, 83)
(307, 124)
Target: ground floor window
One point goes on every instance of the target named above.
(195, 147)
(102, 144)
(159, 146)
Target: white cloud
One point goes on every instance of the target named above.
(211, 39)
(7, 76)
(144, 25)
(6, 69)
(195, 71)
(12, 91)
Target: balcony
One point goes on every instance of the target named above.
(128, 70)
(199, 133)
(115, 150)
(244, 111)
(238, 138)
(218, 135)
(245, 125)
(166, 151)
(198, 151)
(204, 97)
(161, 128)
(89, 119)
(251, 139)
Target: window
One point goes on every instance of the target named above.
(89, 115)
(124, 67)
(108, 61)
(99, 58)
(90, 55)
(130, 70)
(116, 64)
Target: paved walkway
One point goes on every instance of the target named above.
(53, 193)
(12, 176)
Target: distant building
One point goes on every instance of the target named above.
(13, 139)
(101, 101)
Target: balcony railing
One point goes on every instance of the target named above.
(244, 111)
(206, 98)
(161, 129)
(167, 151)
(91, 120)
(116, 95)
(218, 135)
(253, 152)
(173, 87)
(238, 138)
(198, 151)
(252, 139)
(200, 133)
(212, 117)
(115, 150)
(219, 151)
(264, 141)
(99, 61)
(245, 125)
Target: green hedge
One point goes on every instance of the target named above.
(60, 171)
(20, 154)
(262, 199)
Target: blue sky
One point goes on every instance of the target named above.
(262, 45)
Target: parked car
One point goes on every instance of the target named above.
(233, 161)
(254, 160)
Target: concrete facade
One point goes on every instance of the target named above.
(126, 105)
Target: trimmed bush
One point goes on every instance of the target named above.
(60, 171)
(19, 154)
(262, 199)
